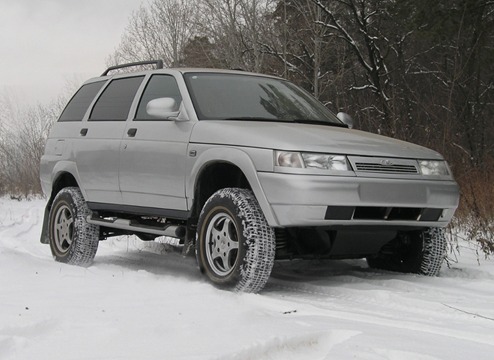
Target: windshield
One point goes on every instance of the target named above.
(247, 97)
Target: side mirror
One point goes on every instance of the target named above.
(165, 108)
(346, 119)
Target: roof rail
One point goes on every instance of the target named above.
(158, 63)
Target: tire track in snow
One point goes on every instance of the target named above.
(391, 310)
(314, 346)
(20, 227)
(20, 224)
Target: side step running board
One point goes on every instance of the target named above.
(176, 231)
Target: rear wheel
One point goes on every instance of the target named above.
(419, 252)
(72, 239)
(235, 244)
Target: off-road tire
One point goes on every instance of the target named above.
(423, 252)
(72, 239)
(235, 246)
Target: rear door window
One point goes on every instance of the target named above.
(115, 101)
(78, 105)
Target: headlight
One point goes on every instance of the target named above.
(288, 159)
(325, 162)
(433, 168)
(312, 161)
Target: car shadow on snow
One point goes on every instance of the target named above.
(154, 258)
(323, 269)
(326, 276)
(159, 259)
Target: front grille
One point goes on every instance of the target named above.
(378, 165)
(384, 168)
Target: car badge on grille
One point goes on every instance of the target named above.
(386, 162)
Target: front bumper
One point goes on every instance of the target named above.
(313, 200)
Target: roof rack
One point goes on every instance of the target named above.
(158, 63)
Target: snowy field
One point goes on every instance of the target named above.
(139, 302)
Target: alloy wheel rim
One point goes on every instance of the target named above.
(63, 229)
(222, 244)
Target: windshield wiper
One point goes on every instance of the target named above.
(320, 122)
(250, 118)
(298, 121)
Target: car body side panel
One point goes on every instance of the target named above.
(90, 158)
(152, 164)
(96, 156)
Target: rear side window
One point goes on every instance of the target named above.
(77, 106)
(115, 101)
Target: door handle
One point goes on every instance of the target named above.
(83, 132)
(131, 132)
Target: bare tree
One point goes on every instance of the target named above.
(359, 23)
(237, 29)
(157, 30)
(23, 134)
(231, 33)
(307, 50)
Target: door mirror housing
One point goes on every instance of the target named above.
(166, 108)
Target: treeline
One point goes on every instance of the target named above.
(23, 134)
(419, 71)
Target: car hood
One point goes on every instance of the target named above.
(305, 137)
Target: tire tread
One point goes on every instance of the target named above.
(86, 236)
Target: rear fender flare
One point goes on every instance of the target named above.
(62, 167)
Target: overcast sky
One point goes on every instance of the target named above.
(45, 43)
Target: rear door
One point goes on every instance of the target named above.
(97, 155)
(153, 155)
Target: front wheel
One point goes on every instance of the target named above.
(72, 239)
(419, 252)
(235, 244)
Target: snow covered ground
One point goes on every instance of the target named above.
(138, 302)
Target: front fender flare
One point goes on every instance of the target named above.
(238, 158)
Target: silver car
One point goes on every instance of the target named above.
(242, 169)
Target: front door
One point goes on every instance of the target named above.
(153, 154)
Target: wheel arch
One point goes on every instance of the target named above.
(219, 168)
(61, 180)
